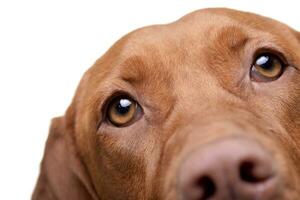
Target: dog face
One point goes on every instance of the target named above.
(207, 107)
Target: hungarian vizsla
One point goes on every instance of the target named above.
(205, 108)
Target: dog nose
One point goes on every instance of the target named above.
(229, 169)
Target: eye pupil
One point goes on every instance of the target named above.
(123, 106)
(265, 62)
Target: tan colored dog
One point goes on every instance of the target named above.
(205, 108)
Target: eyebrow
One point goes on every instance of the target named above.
(132, 70)
(234, 38)
(238, 44)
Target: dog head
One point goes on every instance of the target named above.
(207, 107)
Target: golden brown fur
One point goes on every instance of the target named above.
(191, 78)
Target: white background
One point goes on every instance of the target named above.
(45, 47)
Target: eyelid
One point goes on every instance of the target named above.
(272, 51)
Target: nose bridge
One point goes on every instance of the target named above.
(216, 108)
(209, 128)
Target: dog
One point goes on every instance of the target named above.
(204, 108)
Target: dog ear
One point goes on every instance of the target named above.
(62, 175)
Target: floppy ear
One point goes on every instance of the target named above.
(63, 175)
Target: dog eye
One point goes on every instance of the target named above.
(122, 111)
(266, 67)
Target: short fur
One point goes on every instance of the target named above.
(192, 79)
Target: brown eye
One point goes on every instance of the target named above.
(122, 111)
(267, 67)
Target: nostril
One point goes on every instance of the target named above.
(207, 187)
(230, 169)
(252, 173)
